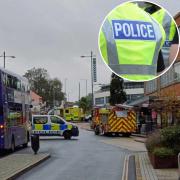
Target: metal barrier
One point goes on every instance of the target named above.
(179, 164)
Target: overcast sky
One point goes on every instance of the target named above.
(53, 34)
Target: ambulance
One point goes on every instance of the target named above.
(74, 113)
(119, 119)
(50, 125)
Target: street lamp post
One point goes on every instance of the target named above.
(65, 88)
(91, 56)
(4, 56)
(79, 91)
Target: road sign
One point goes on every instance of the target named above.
(94, 70)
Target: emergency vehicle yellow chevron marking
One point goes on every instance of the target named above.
(115, 126)
(122, 124)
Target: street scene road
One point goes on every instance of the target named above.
(85, 157)
(90, 90)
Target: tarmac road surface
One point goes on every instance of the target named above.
(83, 158)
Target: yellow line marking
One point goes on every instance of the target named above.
(125, 168)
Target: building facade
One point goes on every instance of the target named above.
(134, 90)
(166, 90)
(36, 102)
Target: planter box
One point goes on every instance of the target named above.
(163, 163)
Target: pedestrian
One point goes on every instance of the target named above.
(130, 41)
(141, 121)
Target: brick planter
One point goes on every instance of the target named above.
(163, 163)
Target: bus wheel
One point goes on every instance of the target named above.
(67, 135)
(12, 144)
(26, 143)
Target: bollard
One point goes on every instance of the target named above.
(179, 165)
(35, 143)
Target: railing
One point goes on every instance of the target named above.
(179, 164)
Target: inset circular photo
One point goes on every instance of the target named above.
(136, 40)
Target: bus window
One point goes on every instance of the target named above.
(18, 85)
(40, 120)
(14, 118)
(9, 81)
(23, 87)
(12, 82)
(4, 79)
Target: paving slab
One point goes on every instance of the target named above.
(139, 139)
(13, 165)
(145, 171)
(125, 143)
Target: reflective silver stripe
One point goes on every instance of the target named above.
(112, 53)
(134, 69)
(111, 44)
(167, 24)
(158, 43)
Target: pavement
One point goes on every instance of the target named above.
(144, 169)
(13, 165)
(125, 143)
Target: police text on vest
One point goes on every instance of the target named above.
(135, 30)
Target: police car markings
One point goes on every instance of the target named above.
(136, 30)
(46, 132)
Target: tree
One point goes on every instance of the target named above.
(48, 89)
(55, 92)
(86, 103)
(38, 79)
(117, 94)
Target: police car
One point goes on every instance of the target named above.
(53, 125)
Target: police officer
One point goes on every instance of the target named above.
(170, 29)
(130, 41)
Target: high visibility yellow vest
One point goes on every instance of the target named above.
(170, 29)
(130, 41)
(168, 24)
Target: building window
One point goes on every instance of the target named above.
(177, 72)
(107, 99)
(151, 86)
(132, 85)
(132, 97)
(99, 100)
(167, 78)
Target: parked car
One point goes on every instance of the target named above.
(87, 118)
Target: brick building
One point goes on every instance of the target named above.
(36, 102)
(165, 91)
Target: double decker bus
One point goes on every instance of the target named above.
(14, 110)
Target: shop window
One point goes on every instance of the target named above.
(99, 100)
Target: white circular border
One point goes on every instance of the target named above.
(164, 71)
